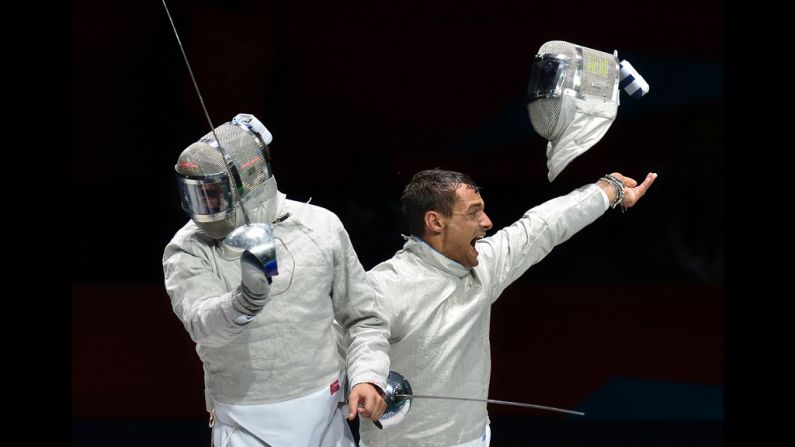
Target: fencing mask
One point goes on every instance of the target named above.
(208, 195)
(573, 98)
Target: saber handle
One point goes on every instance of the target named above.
(490, 401)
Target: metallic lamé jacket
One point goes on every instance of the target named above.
(290, 348)
(439, 312)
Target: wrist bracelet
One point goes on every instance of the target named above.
(618, 188)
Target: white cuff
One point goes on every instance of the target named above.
(605, 199)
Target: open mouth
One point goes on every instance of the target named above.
(473, 242)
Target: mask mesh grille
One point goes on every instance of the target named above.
(201, 159)
(598, 78)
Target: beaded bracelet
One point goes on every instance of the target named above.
(618, 188)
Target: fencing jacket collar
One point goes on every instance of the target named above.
(424, 251)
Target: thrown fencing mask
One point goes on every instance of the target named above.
(207, 193)
(573, 98)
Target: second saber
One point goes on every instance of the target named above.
(491, 401)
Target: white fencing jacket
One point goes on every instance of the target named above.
(289, 349)
(439, 310)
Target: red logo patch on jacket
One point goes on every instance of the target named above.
(335, 386)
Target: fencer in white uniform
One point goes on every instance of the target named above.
(437, 293)
(273, 372)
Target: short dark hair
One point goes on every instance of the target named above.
(431, 190)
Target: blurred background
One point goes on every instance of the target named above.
(625, 321)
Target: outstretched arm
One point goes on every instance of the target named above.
(512, 250)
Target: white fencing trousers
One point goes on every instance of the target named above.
(309, 421)
(482, 441)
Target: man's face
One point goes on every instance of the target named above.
(213, 196)
(468, 223)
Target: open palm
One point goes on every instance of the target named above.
(632, 191)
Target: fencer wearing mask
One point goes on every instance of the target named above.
(264, 328)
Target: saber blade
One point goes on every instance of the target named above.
(490, 401)
(234, 175)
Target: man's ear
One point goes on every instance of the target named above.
(434, 222)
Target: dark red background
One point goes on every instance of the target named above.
(359, 97)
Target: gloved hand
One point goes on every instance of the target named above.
(254, 286)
